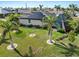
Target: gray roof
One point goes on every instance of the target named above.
(34, 16)
(5, 11)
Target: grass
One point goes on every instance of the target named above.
(38, 43)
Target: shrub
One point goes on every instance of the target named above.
(71, 36)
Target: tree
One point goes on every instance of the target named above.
(65, 18)
(62, 22)
(71, 36)
(3, 24)
(73, 24)
(40, 6)
(63, 25)
(49, 20)
(73, 8)
(57, 7)
(7, 26)
(13, 18)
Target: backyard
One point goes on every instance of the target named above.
(38, 43)
(39, 31)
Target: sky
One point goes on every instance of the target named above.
(51, 4)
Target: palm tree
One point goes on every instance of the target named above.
(3, 24)
(49, 20)
(63, 25)
(57, 7)
(7, 26)
(62, 22)
(15, 20)
(65, 18)
(12, 22)
(40, 6)
(73, 8)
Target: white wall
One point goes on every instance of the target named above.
(36, 22)
(33, 22)
(0, 10)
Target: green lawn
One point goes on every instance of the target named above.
(38, 43)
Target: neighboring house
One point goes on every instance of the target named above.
(34, 18)
(5, 11)
(24, 11)
(77, 13)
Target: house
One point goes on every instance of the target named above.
(35, 19)
(77, 13)
(4, 12)
(23, 11)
